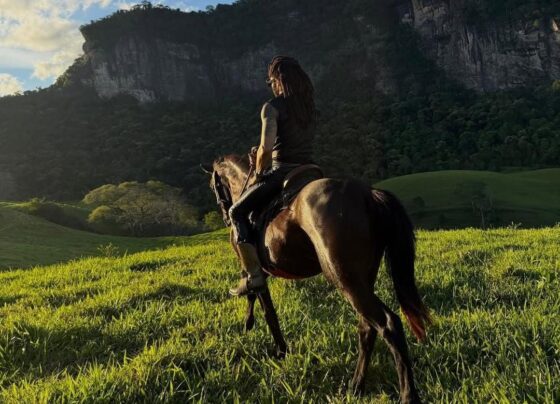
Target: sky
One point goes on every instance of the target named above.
(39, 39)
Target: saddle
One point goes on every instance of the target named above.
(294, 182)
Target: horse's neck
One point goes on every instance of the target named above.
(237, 176)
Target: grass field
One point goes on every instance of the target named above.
(159, 326)
(443, 199)
(27, 240)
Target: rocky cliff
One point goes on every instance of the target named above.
(155, 69)
(486, 55)
(482, 55)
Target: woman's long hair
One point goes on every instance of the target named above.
(296, 87)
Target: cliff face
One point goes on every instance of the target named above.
(148, 70)
(155, 69)
(484, 56)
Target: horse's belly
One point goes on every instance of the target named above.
(290, 250)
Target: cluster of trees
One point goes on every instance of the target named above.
(445, 130)
(149, 209)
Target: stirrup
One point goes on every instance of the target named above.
(249, 286)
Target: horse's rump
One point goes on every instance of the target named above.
(283, 239)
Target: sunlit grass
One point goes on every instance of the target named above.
(159, 326)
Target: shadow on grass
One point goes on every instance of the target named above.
(475, 291)
(149, 266)
(31, 350)
(63, 298)
(166, 292)
(6, 300)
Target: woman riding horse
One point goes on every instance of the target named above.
(341, 228)
(288, 124)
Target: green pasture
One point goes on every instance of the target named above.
(444, 199)
(158, 326)
(27, 240)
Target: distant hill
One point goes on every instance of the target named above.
(27, 240)
(453, 199)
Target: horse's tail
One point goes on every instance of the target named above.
(400, 254)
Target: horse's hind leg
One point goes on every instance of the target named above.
(250, 313)
(272, 321)
(390, 328)
(367, 335)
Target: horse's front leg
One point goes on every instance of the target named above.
(272, 320)
(250, 314)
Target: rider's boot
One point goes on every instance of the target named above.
(255, 280)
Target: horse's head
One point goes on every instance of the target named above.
(227, 174)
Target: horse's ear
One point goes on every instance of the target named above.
(207, 168)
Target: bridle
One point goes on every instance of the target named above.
(223, 194)
(223, 197)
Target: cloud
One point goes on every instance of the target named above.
(13, 58)
(9, 85)
(40, 33)
(45, 27)
(44, 36)
(125, 5)
(54, 66)
(184, 6)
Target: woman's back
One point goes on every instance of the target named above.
(293, 144)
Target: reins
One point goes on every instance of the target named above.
(223, 195)
(251, 168)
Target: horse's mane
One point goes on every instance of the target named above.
(241, 162)
(233, 170)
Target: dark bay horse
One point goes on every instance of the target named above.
(341, 228)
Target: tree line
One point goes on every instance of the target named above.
(60, 146)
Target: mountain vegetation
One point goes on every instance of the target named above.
(64, 141)
(61, 146)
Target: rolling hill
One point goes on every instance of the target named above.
(442, 199)
(27, 240)
(452, 199)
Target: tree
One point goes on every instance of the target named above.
(141, 209)
(213, 221)
(143, 5)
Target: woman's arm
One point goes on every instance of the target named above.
(269, 116)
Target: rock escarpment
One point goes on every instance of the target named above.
(155, 69)
(486, 55)
(482, 55)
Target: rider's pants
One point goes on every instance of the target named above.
(255, 197)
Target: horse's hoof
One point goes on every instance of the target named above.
(249, 324)
(279, 353)
(357, 388)
(412, 398)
